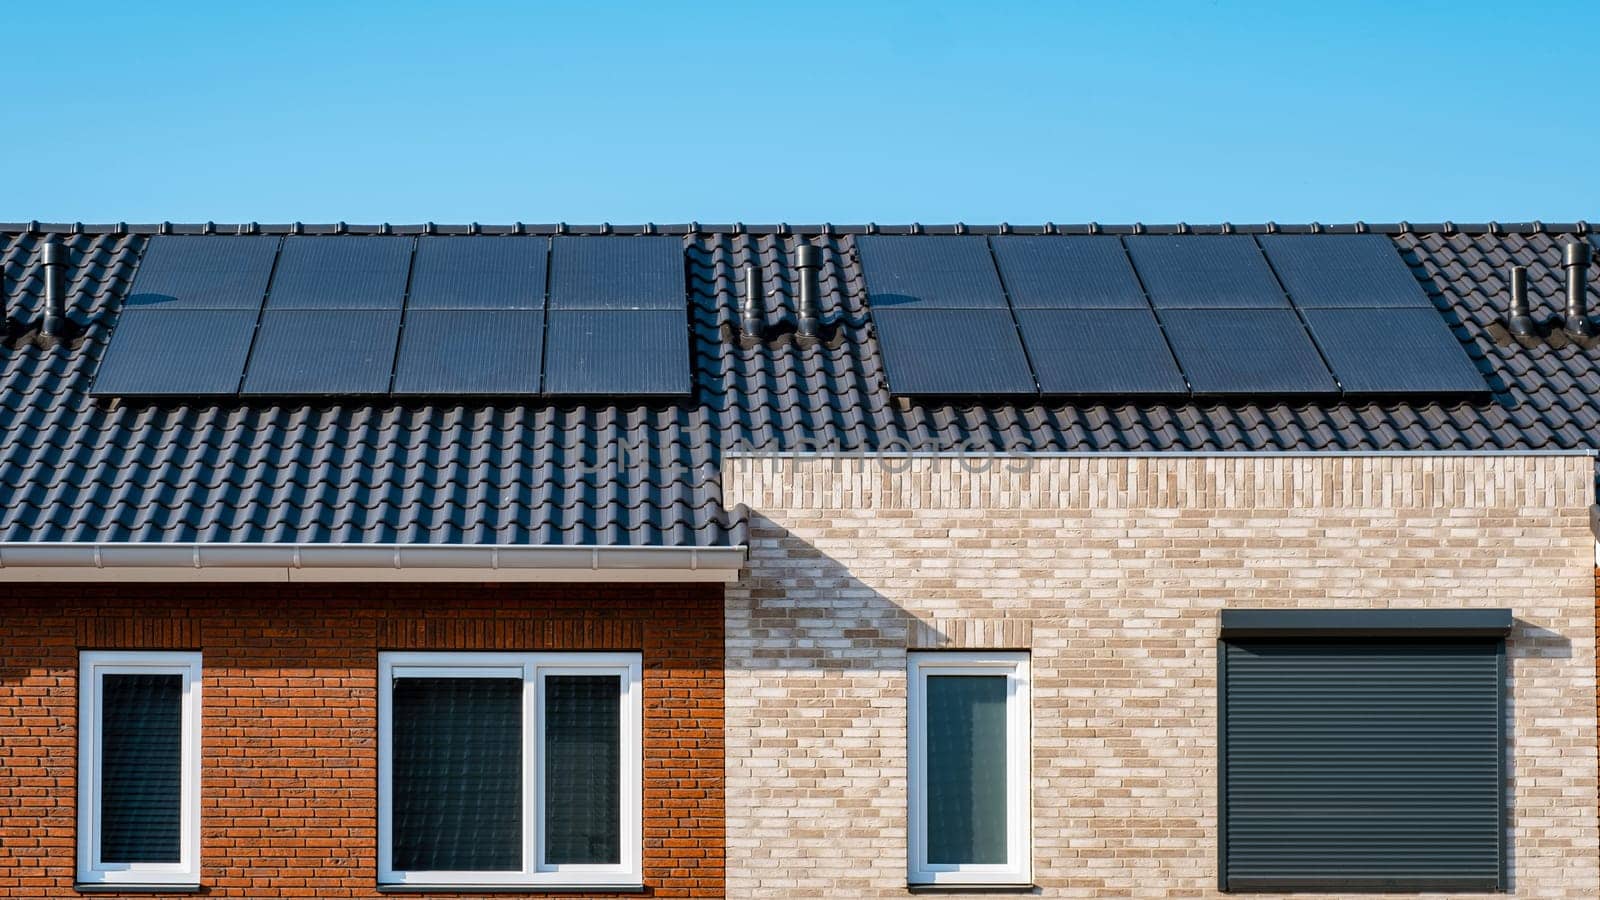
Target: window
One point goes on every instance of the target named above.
(139, 768)
(509, 769)
(970, 754)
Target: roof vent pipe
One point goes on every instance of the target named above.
(1519, 321)
(808, 259)
(1576, 259)
(55, 289)
(750, 317)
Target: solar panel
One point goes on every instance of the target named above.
(470, 352)
(616, 352)
(204, 272)
(1077, 272)
(323, 352)
(952, 352)
(157, 351)
(341, 272)
(954, 272)
(1099, 351)
(1343, 270)
(1213, 271)
(1246, 351)
(479, 273)
(643, 272)
(1393, 351)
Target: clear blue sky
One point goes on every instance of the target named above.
(799, 112)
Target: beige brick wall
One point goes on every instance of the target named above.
(1111, 570)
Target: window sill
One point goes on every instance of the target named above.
(510, 888)
(128, 887)
(972, 888)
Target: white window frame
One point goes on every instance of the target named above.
(93, 666)
(532, 669)
(1018, 868)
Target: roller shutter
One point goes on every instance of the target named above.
(1369, 762)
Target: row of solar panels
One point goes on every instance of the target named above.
(379, 315)
(1168, 315)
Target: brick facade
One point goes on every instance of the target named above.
(1111, 571)
(289, 748)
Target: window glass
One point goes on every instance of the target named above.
(966, 769)
(457, 774)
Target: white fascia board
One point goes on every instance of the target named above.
(68, 561)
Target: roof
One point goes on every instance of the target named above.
(637, 473)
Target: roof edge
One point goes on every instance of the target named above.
(154, 561)
(825, 228)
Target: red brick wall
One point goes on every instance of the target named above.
(289, 748)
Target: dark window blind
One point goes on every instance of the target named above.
(141, 768)
(457, 774)
(583, 769)
(966, 758)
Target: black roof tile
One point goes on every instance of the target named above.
(627, 471)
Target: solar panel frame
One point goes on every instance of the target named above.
(1095, 352)
(617, 273)
(620, 352)
(473, 352)
(341, 272)
(203, 272)
(163, 352)
(323, 353)
(952, 352)
(1334, 271)
(1214, 271)
(1232, 352)
(1067, 272)
(930, 272)
(1394, 351)
(479, 272)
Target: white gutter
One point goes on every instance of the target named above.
(112, 561)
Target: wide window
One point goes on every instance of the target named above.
(969, 801)
(139, 768)
(509, 769)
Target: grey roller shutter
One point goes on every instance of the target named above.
(1362, 764)
(457, 778)
(141, 768)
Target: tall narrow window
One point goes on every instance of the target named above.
(969, 800)
(139, 768)
(509, 769)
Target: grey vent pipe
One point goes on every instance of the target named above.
(750, 317)
(1520, 319)
(55, 289)
(808, 259)
(1576, 259)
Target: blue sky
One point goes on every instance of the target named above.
(799, 112)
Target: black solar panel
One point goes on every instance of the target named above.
(1077, 272)
(479, 273)
(631, 352)
(617, 273)
(1099, 351)
(954, 272)
(1343, 270)
(1246, 351)
(470, 352)
(1393, 351)
(323, 352)
(341, 272)
(952, 352)
(178, 352)
(204, 272)
(1214, 271)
